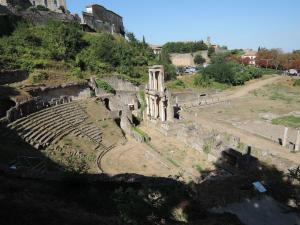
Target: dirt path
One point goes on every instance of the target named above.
(251, 86)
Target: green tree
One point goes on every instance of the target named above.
(199, 59)
(211, 51)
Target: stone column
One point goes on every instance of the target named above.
(152, 108)
(297, 148)
(161, 81)
(284, 141)
(150, 80)
(147, 104)
(162, 112)
(156, 108)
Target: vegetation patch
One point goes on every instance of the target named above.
(37, 77)
(142, 134)
(105, 86)
(289, 121)
(176, 84)
(297, 83)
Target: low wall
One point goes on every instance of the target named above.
(44, 98)
(76, 91)
(121, 85)
(31, 106)
(8, 77)
(187, 59)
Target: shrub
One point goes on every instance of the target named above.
(202, 81)
(105, 86)
(170, 72)
(38, 76)
(41, 8)
(76, 72)
(297, 82)
(184, 47)
(199, 59)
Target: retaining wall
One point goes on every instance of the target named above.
(8, 77)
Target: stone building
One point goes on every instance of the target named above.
(53, 5)
(97, 19)
(156, 96)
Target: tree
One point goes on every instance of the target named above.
(211, 51)
(199, 59)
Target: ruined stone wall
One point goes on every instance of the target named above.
(121, 85)
(8, 77)
(182, 59)
(29, 107)
(103, 19)
(73, 90)
(187, 59)
(44, 98)
(43, 17)
(53, 5)
(101, 13)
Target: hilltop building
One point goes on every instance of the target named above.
(98, 19)
(53, 5)
(249, 57)
(156, 49)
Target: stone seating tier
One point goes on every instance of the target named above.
(50, 125)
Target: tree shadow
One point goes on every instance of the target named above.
(72, 198)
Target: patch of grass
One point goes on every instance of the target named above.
(145, 136)
(105, 86)
(176, 84)
(173, 162)
(199, 168)
(297, 82)
(37, 76)
(207, 148)
(289, 121)
(219, 86)
(104, 125)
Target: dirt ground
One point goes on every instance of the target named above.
(247, 104)
(163, 156)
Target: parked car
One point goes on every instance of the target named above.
(291, 72)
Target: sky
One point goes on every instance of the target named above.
(234, 23)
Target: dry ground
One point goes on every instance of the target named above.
(163, 156)
(246, 104)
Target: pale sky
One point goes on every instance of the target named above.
(235, 23)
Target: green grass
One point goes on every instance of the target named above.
(173, 162)
(289, 121)
(199, 168)
(297, 83)
(142, 134)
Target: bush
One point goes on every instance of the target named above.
(297, 82)
(184, 47)
(76, 72)
(230, 73)
(170, 72)
(174, 84)
(105, 86)
(41, 8)
(202, 81)
(38, 76)
(199, 59)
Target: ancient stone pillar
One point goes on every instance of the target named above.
(297, 147)
(150, 80)
(284, 141)
(162, 111)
